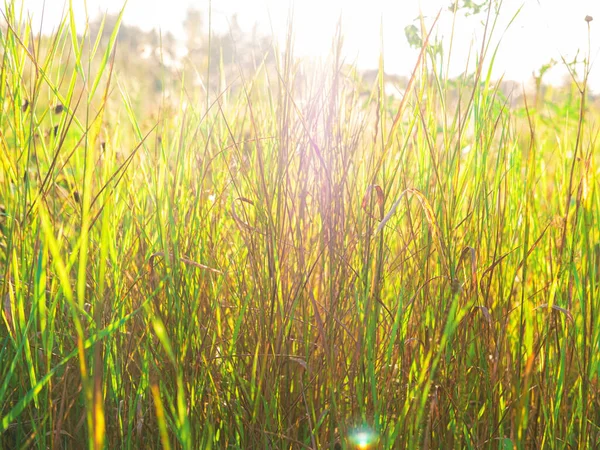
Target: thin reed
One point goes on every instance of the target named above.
(295, 256)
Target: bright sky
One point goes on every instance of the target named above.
(543, 29)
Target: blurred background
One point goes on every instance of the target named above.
(542, 33)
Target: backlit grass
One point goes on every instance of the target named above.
(296, 260)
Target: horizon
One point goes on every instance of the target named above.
(530, 41)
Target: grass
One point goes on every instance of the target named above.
(297, 260)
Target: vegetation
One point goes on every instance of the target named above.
(289, 257)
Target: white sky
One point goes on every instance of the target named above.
(544, 29)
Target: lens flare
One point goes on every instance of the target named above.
(363, 438)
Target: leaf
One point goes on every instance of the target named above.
(183, 260)
(299, 361)
(469, 252)
(237, 218)
(486, 313)
(507, 444)
(566, 312)
(379, 199)
(412, 36)
(431, 220)
(8, 311)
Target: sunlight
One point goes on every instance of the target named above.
(210, 238)
(363, 438)
(531, 41)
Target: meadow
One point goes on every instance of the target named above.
(286, 255)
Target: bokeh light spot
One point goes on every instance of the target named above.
(363, 438)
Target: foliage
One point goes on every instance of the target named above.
(291, 258)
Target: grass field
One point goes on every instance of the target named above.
(297, 259)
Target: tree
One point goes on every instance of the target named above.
(194, 27)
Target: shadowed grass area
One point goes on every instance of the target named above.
(297, 260)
